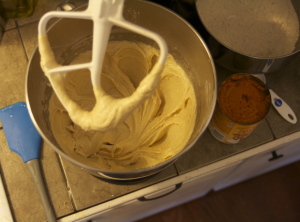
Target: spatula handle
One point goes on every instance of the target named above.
(34, 168)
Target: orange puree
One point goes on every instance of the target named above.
(244, 99)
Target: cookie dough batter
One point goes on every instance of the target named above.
(157, 130)
(107, 111)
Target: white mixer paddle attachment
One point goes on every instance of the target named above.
(108, 112)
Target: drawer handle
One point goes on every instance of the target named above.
(177, 186)
(275, 156)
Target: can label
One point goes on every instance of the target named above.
(228, 131)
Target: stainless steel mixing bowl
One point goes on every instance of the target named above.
(69, 37)
(241, 61)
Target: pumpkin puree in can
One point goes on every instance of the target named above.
(243, 101)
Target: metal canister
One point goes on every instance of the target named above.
(243, 102)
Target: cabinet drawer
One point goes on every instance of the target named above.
(201, 185)
(262, 163)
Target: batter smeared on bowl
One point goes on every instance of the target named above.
(157, 130)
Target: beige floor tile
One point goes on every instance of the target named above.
(10, 24)
(29, 35)
(88, 190)
(13, 65)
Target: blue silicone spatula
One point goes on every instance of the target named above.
(23, 138)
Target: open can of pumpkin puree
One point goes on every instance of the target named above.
(243, 102)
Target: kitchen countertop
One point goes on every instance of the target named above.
(72, 189)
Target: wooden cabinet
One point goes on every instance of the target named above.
(262, 163)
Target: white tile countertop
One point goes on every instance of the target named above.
(73, 190)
